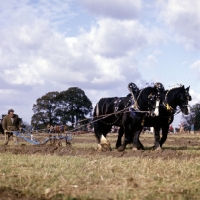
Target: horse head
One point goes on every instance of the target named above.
(155, 98)
(178, 97)
(184, 98)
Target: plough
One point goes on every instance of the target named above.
(51, 138)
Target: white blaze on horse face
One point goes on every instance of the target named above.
(103, 140)
(156, 112)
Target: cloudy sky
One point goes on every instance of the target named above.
(98, 46)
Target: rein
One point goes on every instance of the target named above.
(135, 104)
(126, 109)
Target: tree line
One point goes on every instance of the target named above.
(194, 117)
(67, 107)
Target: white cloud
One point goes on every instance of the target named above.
(184, 19)
(195, 67)
(150, 62)
(24, 12)
(195, 97)
(33, 53)
(113, 38)
(117, 9)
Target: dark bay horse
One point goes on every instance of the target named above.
(126, 112)
(170, 99)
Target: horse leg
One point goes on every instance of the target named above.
(127, 138)
(6, 138)
(120, 135)
(164, 134)
(101, 131)
(140, 145)
(157, 139)
(137, 145)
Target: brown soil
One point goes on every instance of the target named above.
(171, 148)
(11, 194)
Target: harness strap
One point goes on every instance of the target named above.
(117, 102)
(135, 105)
(168, 108)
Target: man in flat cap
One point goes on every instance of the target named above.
(11, 122)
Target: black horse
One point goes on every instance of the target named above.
(126, 112)
(172, 98)
(1, 129)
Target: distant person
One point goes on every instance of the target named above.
(48, 128)
(51, 129)
(192, 128)
(11, 122)
(61, 128)
(88, 127)
(171, 129)
(182, 127)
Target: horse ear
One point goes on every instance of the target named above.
(187, 88)
(130, 85)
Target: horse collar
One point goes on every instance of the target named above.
(166, 104)
(135, 102)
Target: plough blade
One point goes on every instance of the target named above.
(35, 142)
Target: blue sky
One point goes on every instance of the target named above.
(98, 46)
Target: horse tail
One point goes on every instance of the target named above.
(1, 129)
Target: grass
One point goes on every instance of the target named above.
(101, 177)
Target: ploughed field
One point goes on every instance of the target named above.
(79, 171)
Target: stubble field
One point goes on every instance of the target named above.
(78, 171)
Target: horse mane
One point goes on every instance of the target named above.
(176, 90)
(129, 95)
(173, 93)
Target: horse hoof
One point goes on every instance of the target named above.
(140, 147)
(99, 147)
(159, 148)
(106, 147)
(117, 146)
(134, 149)
(121, 148)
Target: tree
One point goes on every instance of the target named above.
(45, 110)
(193, 117)
(71, 105)
(75, 105)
